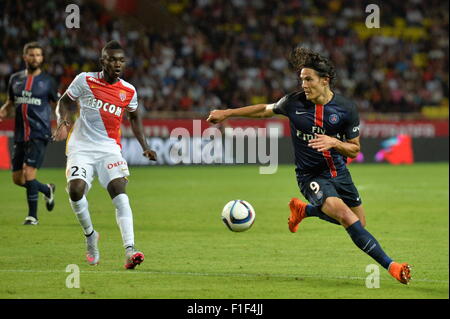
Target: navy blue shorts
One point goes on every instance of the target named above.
(317, 188)
(31, 153)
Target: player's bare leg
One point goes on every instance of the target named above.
(360, 213)
(79, 204)
(18, 177)
(336, 208)
(124, 218)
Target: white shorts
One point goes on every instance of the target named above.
(106, 166)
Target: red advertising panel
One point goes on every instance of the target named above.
(195, 127)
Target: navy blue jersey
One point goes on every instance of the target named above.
(31, 96)
(338, 118)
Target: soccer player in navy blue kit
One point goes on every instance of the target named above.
(30, 92)
(325, 131)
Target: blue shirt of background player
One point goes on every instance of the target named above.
(31, 96)
(339, 118)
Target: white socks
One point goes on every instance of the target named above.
(81, 210)
(124, 218)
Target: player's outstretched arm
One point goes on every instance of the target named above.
(136, 126)
(254, 111)
(65, 115)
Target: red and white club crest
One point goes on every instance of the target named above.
(122, 95)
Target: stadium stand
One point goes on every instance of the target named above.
(234, 53)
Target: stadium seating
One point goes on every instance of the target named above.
(234, 53)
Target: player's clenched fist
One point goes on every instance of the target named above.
(151, 155)
(217, 116)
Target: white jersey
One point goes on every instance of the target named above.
(102, 106)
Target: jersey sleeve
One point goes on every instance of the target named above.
(76, 88)
(352, 128)
(280, 107)
(133, 103)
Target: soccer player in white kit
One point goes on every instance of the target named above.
(93, 145)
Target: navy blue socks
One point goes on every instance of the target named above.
(43, 188)
(368, 244)
(360, 236)
(33, 188)
(32, 197)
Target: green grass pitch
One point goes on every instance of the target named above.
(191, 254)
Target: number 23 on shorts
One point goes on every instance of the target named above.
(77, 171)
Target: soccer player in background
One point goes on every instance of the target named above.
(30, 93)
(325, 131)
(93, 145)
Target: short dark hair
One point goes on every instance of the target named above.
(32, 45)
(306, 58)
(112, 45)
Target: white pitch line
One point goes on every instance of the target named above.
(175, 273)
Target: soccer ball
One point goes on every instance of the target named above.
(238, 215)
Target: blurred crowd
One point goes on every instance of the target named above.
(231, 53)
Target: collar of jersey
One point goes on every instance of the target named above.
(101, 77)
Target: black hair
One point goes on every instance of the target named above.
(112, 45)
(306, 58)
(32, 45)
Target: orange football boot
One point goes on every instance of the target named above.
(298, 212)
(401, 272)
